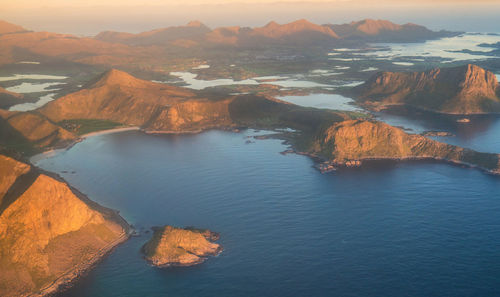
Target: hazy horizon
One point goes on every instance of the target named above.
(91, 17)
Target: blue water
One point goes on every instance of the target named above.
(407, 229)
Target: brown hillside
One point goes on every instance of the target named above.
(48, 234)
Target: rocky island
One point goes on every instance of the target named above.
(171, 246)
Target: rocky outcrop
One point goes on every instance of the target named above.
(24, 129)
(346, 143)
(49, 232)
(467, 89)
(171, 246)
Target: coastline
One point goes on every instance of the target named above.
(53, 151)
(67, 279)
(110, 131)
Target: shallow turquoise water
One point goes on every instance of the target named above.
(408, 229)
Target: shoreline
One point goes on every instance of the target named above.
(53, 151)
(110, 131)
(71, 276)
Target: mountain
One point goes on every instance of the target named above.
(7, 99)
(49, 233)
(301, 32)
(298, 33)
(192, 31)
(467, 89)
(157, 48)
(385, 31)
(6, 28)
(31, 45)
(122, 98)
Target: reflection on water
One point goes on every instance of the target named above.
(32, 76)
(31, 106)
(297, 81)
(27, 87)
(327, 101)
(458, 48)
(481, 133)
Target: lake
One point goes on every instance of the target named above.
(399, 229)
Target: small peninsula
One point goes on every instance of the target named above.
(171, 246)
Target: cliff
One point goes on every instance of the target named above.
(347, 142)
(180, 247)
(49, 233)
(466, 89)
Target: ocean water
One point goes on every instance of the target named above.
(324, 101)
(296, 81)
(393, 229)
(465, 47)
(32, 106)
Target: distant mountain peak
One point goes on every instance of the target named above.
(272, 24)
(195, 24)
(116, 77)
(6, 27)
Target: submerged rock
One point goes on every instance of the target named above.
(171, 246)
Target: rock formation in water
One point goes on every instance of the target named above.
(49, 233)
(180, 247)
(467, 89)
(351, 141)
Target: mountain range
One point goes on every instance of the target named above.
(150, 48)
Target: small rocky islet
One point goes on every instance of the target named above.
(172, 246)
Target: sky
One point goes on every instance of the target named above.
(89, 17)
